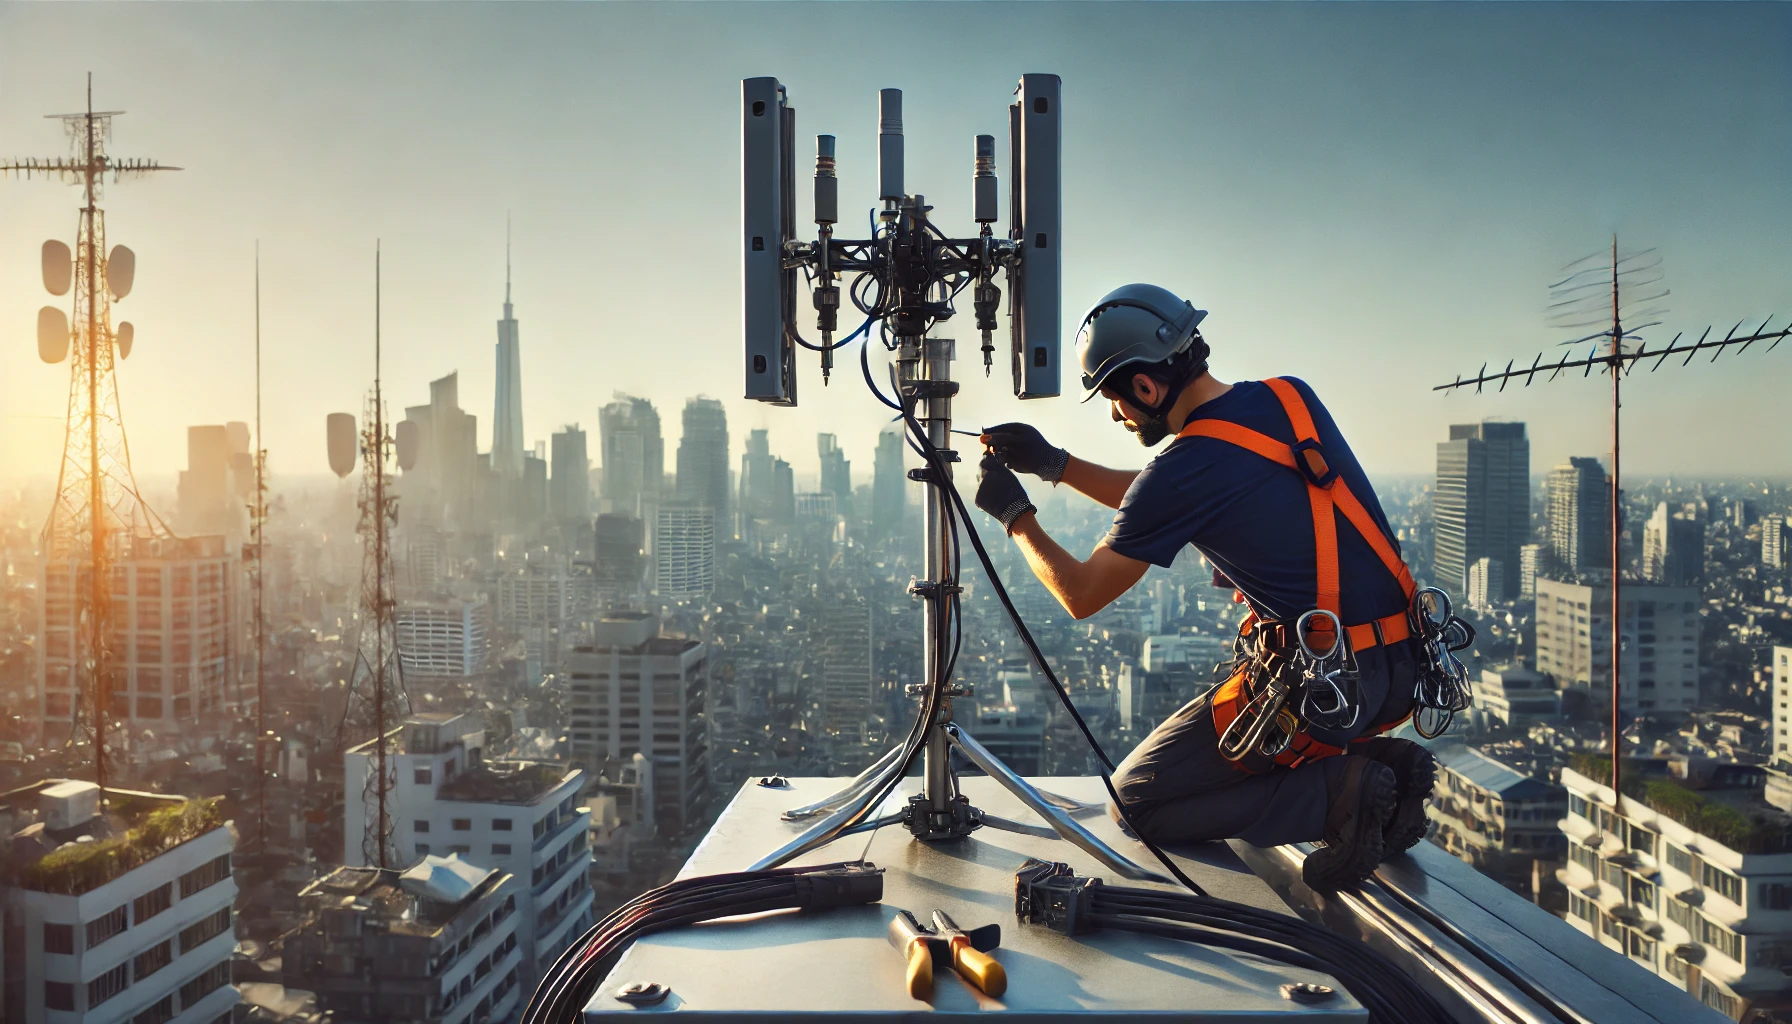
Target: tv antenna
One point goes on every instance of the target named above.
(1578, 301)
(905, 278)
(98, 511)
(257, 561)
(376, 683)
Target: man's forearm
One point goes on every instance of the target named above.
(1082, 587)
(1100, 483)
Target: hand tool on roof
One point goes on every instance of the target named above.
(946, 946)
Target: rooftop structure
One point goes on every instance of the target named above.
(1495, 817)
(116, 909)
(437, 942)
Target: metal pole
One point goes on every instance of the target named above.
(1615, 514)
(379, 567)
(99, 617)
(260, 521)
(936, 367)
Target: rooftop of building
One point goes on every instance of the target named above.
(63, 836)
(506, 782)
(421, 900)
(1721, 801)
(1484, 772)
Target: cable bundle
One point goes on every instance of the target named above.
(1052, 895)
(567, 985)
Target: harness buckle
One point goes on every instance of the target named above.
(1309, 458)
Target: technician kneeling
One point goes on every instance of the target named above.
(1261, 482)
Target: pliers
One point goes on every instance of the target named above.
(951, 948)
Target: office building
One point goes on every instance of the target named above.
(520, 817)
(437, 942)
(634, 691)
(529, 496)
(444, 638)
(1780, 668)
(634, 456)
(621, 560)
(1533, 561)
(1773, 541)
(1482, 504)
(1579, 516)
(1495, 817)
(1659, 668)
(215, 488)
(177, 607)
(889, 487)
(844, 637)
(1171, 671)
(569, 486)
(446, 481)
(703, 460)
(1691, 878)
(1673, 548)
(1517, 697)
(507, 408)
(536, 604)
(684, 552)
(767, 484)
(1486, 583)
(836, 471)
(118, 911)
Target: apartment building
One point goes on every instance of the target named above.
(437, 943)
(1689, 874)
(117, 909)
(523, 818)
(1495, 817)
(1659, 663)
(448, 638)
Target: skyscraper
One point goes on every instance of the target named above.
(703, 459)
(1673, 548)
(620, 543)
(684, 546)
(569, 486)
(1483, 502)
(634, 456)
(1773, 541)
(767, 484)
(889, 486)
(507, 412)
(836, 471)
(845, 635)
(1579, 535)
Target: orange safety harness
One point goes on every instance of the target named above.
(1329, 495)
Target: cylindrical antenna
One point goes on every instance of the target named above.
(983, 182)
(889, 144)
(827, 186)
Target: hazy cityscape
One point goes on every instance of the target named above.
(394, 741)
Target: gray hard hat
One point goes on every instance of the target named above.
(1134, 323)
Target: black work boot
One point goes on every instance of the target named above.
(1415, 773)
(1361, 794)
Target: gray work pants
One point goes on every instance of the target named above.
(1177, 789)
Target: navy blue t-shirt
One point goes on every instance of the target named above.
(1252, 517)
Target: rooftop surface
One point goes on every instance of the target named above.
(132, 829)
(381, 893)
(505, 782)
(841, 962)
(1483, 771)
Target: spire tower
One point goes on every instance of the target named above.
(507, 412)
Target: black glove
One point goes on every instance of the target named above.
(999, 492)
(1024, 449)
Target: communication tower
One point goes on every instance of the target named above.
(98, 512)
(376, 695)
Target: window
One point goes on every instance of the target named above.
(205, 876)
(463, 824)
(1614, 876)
(419, 826)
(1642, 893)
(1585, 858)
(422, 849)
(1679, 859)
(59, 938)
(457, 848)
(1680, 914)
(500, 849)
(152, 903)
(500, 824)
(1722, 881)
(105, 927)
(1714, 997)
(1720, 938)
(161, 1013)
(108, 985)
(423, 775)
(195, 935)
(215, 977)
(59, 995)
(1776, 896)
(152, 959)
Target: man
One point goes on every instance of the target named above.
(1260, 481)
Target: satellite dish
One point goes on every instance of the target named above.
(52, 334)
(407, 444)
(123, 335)
(58, 267)
(121, 268)
(341, 429)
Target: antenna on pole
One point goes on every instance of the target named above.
(1578, 300)
(98, 511)
(258, 520)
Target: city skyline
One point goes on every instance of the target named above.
(1442, 218)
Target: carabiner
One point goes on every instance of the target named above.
(1300, 635)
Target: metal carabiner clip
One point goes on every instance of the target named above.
(1301, 629)
(1432, 609)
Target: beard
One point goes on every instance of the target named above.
(1151, 430)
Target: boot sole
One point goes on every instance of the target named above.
(1346, 864)
(1409, 824)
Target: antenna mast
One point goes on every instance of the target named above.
(98, 511)
(1575, 304)
(258, 520)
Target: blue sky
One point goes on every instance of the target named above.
(1372, 197)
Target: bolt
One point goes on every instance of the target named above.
(1307, 992)
(646, 993)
